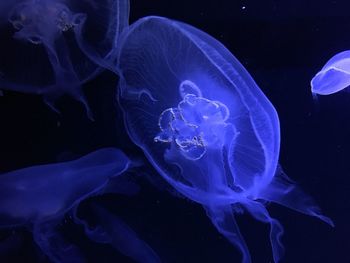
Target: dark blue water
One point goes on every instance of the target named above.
(282, 45)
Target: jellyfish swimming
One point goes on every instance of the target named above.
(334, 76)
(61, 45)
(205, 125)
(38, 197)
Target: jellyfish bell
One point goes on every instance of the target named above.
(44, 192)
(190, 78)
(205, 125)
(334, 76)
(61, 44)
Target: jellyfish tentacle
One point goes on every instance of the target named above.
(66, 79)
(282, 190)
(259, 212)
(54, 245)
(223, 219)
(113, 231)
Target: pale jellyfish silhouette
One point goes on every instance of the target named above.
(38, 197)
(205, 125)
(61, 44)
(334, 76)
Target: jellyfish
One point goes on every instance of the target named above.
(334, 76)
(205, 125)
(38, 197)
(61, 44)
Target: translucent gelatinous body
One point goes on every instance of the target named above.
(38, 193)
(39, 196)
(205, 125)
(334, 76)
(61, 44)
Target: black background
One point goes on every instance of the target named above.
(282, 44)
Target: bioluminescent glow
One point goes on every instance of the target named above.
(188, 103)
(205, 125)
(334, 76)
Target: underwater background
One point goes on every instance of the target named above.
(282, 45)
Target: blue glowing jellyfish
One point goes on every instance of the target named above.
(59, 45)
(38, 197)
(205, 125)
(334, 76)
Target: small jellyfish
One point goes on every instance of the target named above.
(334, 76)
(38, 197)
(205, 125)
(61, 45)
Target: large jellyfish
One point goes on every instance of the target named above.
(38, 197)
(60, 44)
(205, 125)
(334, 76)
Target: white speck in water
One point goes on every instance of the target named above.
(243, 7)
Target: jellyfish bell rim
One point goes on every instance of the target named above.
(336, 57)
(317, 91)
